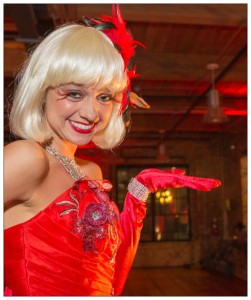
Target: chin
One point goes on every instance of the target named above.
(82, 143)
(78, 141)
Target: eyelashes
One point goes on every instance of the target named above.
(105, 97)
(78, 95)
(73, 95)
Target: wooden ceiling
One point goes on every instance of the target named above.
(180, 39)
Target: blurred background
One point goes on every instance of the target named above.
(193, 74)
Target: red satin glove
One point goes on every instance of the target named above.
(155, 180)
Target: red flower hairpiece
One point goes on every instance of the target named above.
(114, 27)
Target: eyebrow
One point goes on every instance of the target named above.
(83, 86)
(71, 83)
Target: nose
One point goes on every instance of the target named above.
(89, 109)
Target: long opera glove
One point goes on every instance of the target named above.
(149, 180)
(131, 221)
(155, 179)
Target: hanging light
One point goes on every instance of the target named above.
(162, 153)
(215, 113)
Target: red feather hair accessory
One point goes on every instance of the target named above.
(114, 28)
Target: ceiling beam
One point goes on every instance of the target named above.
(199, 14)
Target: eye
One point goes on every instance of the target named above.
(74, 95)
(105, 97)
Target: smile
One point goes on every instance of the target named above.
(81, 127)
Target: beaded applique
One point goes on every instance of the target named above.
(98, 222)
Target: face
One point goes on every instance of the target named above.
(75, 113)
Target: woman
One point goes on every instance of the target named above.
(63, 235)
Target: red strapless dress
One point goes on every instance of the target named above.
(80, 245)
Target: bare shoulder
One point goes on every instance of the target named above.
(25, 151)
(25, 164)
(90, 168)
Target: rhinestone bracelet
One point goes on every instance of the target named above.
(138, 190)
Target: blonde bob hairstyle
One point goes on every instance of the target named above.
(70, 54)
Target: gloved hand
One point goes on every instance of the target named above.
(152, 180)
(155, 179)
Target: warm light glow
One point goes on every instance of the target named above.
(164, 197)
(168, 193)
(233, 89)
(162, 200)
(168, 199)
(158, 233)
(158, 236)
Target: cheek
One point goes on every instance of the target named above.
(65, 108)
(59, 108)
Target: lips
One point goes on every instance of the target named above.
(82, 127)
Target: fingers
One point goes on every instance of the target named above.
(197, 183)
(203, 184)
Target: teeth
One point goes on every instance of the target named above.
(82, 126)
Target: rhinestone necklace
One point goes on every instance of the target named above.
(69, 165)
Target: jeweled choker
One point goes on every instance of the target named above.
(69, 165)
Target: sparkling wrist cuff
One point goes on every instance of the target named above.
(138, 190)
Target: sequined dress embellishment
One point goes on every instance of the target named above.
(98, 222)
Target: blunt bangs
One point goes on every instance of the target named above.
(85, 56)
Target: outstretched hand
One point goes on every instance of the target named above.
(155, 180)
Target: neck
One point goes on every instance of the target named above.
(67, 162)
(64, 148)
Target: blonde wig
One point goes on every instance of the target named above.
(70, 54)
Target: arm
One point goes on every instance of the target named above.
(131, 220)
(149, 180)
